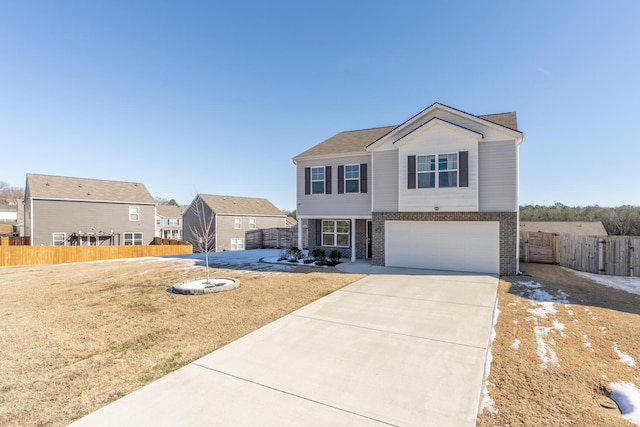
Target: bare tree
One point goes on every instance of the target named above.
(10, 195)
(203, 231)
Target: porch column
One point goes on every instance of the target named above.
(300, 233)
(353, 240)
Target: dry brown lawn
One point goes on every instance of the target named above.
(75, 337)
(555, 370)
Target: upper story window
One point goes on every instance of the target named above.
(237, 223)
(438, 171)
(158, 221)
(352, 178)
(134, 213)
(317, 180)
(174, 221)
(252, 223)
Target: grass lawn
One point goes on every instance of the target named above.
(75, 337)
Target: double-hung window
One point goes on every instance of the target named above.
(134, 213)
(437, 171)
(237, 244)
(132, 238)
(237, 223)
(426, 169)
(448, 170)
(352, 178)
(59, 239)
(252, 223)
(335, 233)
(317, 180)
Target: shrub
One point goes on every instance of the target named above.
(335, 256)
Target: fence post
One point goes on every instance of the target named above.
(4, 241)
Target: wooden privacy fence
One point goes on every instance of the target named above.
(14, 241)
(163, 241)
(612, 255)
(28, 255)
(271, 238)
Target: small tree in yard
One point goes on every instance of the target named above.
(203, 232)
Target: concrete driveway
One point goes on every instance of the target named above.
(399, 347)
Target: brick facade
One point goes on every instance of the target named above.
(508, 232)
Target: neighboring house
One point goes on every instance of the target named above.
(78, 211)
(169, 222)
(439, 191)
(582, 228)
(232, 216)
(8, 213)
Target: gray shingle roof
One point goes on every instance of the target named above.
(356, 141)
(169, 211)
(347, 142)
(240, 205)
(68, 188)
(508, 120)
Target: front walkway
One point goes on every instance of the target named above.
(407, 348)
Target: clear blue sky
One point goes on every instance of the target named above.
(217, 96)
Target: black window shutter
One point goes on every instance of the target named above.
(463, 168)
(318, 232)
(340, 179)
(363, 178)
(307, 180)
(327, 178)
(411, 177)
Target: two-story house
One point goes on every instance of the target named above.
(231, 217)
(60, 210)
(439, 191)
(169, 222)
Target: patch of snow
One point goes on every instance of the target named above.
(486, 402)
(546, 353)
(585, 340)
(627, 396)
(516, 344)
(624, 357)
(628, 284)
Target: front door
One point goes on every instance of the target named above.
(369, 239)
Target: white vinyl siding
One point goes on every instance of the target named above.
(498, 184)
(438, 140)
(334, 204)
(385, 181)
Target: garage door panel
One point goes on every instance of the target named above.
(458, 246)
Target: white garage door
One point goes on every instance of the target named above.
(456, 246)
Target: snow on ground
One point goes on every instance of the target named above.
(250, 259)
(486, 402)
(628, 284)
(627, 396)
(624, 357)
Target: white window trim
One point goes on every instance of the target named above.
(437, 171)
(64, 238)
(238, 243)
(133, 238)
(324, 177)
(351, 179)
(237, 223)
(253, 224)
(335, 233)
(136, 213)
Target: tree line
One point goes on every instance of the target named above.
(618, 221)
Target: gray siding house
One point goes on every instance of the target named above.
(169, 222)
(439, 191)
(62, 211)
(232, 217)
